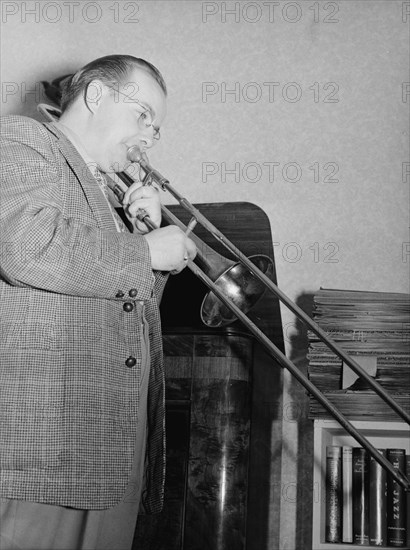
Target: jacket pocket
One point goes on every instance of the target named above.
(31, 409)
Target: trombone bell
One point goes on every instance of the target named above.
(241, 286)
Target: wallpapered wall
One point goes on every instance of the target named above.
(299, 107)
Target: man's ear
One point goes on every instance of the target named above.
(94, 94)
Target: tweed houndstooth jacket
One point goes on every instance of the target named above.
(69, 402)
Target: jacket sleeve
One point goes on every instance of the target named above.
(42, 247)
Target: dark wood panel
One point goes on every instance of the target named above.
(217, 493)
(165, 531)
(216, 380)
(247, 226)
(208, 405)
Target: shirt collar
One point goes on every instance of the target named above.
(76, 141)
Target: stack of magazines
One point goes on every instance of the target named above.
(374, 329)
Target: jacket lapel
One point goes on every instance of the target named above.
(95, 196)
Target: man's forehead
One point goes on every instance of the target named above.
(141, 78)
(143, 87)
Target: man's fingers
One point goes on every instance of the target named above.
(191, 249)
(131, 189)
(136, 205)
(138, 191)
(168, 247)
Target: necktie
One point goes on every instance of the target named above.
(104, 188)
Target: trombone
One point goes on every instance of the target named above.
(235, 288)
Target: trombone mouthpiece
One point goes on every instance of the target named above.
(134, 154)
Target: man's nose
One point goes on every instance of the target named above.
(146, 139)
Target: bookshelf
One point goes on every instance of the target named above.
(329, 432)
(373, 328)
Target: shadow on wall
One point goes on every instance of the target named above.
(295, 335)
(42, 91)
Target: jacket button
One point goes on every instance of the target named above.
(119, 294)
(131, 362)
(128, 306)
(133, 292)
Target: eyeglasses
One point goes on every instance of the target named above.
(144, 118)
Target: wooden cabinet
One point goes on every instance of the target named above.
(218, 384)
(208, 409)
(208, 415)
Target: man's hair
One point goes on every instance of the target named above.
(109, 70)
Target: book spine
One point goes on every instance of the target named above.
(408, 502)
(396, 501)
(377, 502)
(347, 517)
(360, 476)
(333, 531)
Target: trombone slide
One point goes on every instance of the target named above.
(153, 176)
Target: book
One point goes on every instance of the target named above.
(334, 503)
(347, 516)
(408, 501)
(396, 501)
(360, 486)
(377, 502)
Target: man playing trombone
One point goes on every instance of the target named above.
(81, 375)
